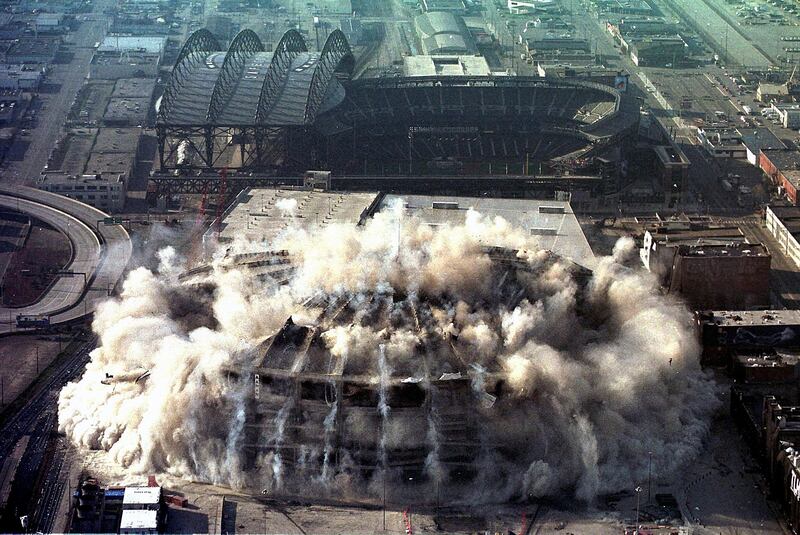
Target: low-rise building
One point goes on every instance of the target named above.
(657, 50)
(138, 522)
(33, 50)
(770, 92)
(522, 7)
(50, 23)
(783, 167)
(757, 139)
(722, 142)
(22, 77)
(453, 6)
(709, 273)
(783, 222)
(673, 166)
(114, 65)
(765, 366)
(722, 332)
(106, 193)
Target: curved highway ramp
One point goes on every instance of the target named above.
(100, 256)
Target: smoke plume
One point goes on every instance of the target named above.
(580, 381)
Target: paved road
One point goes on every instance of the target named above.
(102, 252)
(37, 418)
(66, 291)
(28, 155)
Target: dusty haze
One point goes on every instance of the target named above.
(591, 393)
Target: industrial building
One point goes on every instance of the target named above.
(721, 333)
(757, 139)
(442, 32)
(22, 77)
(29, 50)
(657, 51)
(783, 167)
(712, 269)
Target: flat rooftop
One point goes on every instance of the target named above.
(141, 496)
(132, 58)
(550, 225)
(117, 140)
(783, 159)
(134, 88)
(73, 152)
(264, 213)
(135, 519)
(128, 111)
(725, 250)
(670, 155)
(741, 318)
(756, 139)
(115, 163)
(117, 43)
(45, 48)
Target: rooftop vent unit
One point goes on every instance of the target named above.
(541, 231)
(551, 210)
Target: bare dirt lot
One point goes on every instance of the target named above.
(18, 366)
(29, 272)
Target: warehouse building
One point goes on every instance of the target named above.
(107, 193)
(128, 57)
(757, 139)
(657, 51)
(783, 167)
(29, 50)
(709, 273)
(22, 77)
(442, 32)
(722, 332)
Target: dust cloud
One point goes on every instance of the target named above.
(600, 373)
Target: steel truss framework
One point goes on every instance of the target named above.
(166, 185)
(199, 44)
(336, 56)
(259, 144)
(244, 46)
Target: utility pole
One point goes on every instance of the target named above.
(649, 473)
(638, 491)
(384, 500)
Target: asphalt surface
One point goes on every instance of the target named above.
(101, 251)
(40, 480)
(28, 155)
(66, 291)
